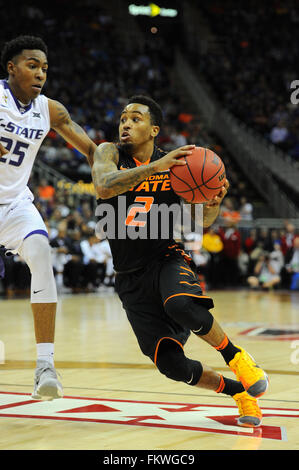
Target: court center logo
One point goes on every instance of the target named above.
(145, 219)
(217, 419)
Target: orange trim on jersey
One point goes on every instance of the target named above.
(187, 269)
(185, 282)
(221, 385)
(138, 163)
(223, 344)
(182, 252)
(161, 339)
(184, 274)
(189, 295)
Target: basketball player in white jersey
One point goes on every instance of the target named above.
(26, 117)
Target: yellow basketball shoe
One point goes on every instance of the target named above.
(250, 413)
(252, 377)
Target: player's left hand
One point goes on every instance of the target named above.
(216, 201)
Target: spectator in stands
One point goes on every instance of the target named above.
(254, 255)
(94, 261)
(279, 135)
(75, 220)
(177, 139)
(228, 211)
(199, 255)
(201, 258)
(87, 214)
(17, 277)
(246, 209)
(46, 191)
(213, 245)
(250, 241)
(266, 273)
(292, 265)
(53, 222)
(73, 274)
(246, 216)
(231, 239)
(277, 258)
(60, 252)
(61, 206)
(49, 152)
(274, 239)
(243, 264)
(280, 114)
(287, 238)
(110, 274)
(265, 239)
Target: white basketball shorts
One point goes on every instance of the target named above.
(18, 220)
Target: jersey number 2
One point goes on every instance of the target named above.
(148, 202)
(17, 151)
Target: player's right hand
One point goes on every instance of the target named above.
(3, 150)
(172, 158)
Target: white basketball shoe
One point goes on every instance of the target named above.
(46, 383)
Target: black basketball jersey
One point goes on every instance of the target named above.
(139, 224)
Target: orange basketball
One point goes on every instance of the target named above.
(201, 178)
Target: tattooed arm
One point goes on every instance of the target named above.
(110, 182)
(107, 179)
(62, 123)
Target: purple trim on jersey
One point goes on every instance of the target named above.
(5, 83)
(25, 108)
(40, 232)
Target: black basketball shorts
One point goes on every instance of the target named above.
(146, 294)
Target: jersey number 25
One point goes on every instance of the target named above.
(17, 151)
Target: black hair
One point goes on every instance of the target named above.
(16, 46)
(154, 109)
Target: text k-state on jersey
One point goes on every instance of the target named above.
(22, 130)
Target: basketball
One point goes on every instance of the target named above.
(201, 178)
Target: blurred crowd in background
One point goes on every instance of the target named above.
(93, 71)
(256, 57)
(228, 255)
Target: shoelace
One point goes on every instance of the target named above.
(244, 363)
(43, 369)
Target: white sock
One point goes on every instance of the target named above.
(45, 351)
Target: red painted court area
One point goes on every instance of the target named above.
(217, 419)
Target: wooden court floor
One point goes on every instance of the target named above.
(115, 399)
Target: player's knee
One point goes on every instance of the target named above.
(176, 306)
(187, 311)
(36, 252)
(172, 362)
(204, 320)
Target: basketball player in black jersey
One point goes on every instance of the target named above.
(155, 281)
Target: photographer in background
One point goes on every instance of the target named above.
(266, 271)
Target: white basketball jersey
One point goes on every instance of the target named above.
(22, 130)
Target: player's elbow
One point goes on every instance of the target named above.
(103, 192)
(101, 188)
